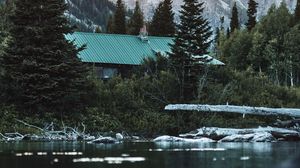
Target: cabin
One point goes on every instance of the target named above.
(113, 54)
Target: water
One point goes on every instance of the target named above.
(145, 155)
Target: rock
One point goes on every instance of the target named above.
(119, 137)
(104, 140)
(167, 138)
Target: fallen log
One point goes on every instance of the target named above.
(220, 133)
(292, 112)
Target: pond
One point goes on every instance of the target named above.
(145, 155)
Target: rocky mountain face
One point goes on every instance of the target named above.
(214, 9)
(88, 14)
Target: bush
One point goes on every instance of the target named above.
(246, 88)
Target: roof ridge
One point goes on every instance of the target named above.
(121, 35)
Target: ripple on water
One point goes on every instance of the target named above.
(111, 160)
(188, 150)
(245, 158)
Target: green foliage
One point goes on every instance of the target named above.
(137, 20)
(41, 67)
(246, 88)
(297, 12)
(162, 23)
(98, 121)
(8, 115)
(251, 13)
(191, 41)
(131, 104)
(236, 50)
(120, 19)
(270, 48)
(234, 22)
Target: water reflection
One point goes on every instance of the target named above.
(111, 160)
(145, 155)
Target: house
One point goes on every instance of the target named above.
(114, 53)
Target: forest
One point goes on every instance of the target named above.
(42, 80)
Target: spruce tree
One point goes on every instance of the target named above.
(297, 12)
(156, 24)
(120, 19)
(41, 66)
(251, 13)
(234, 23)
(190, 43)
(163, 20)
(137, 20)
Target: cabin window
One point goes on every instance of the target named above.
(106, 73)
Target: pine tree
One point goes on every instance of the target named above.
(297, 12)
(120, 19)
(162, 23)
(137, 20)
(156, 24)
(41, 66)
(251, 13)
(234, 23)
(190, 43)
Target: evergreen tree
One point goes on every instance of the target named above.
(41, 66)
(156, 24)
(234, 23)
(120, 19)
(190, 43)
(137, 20)
(228, 33)
(219, 31)
(217, 37)
(110, 25)
(162, 23)
(297, 12)
(6, 9)
(251, 13)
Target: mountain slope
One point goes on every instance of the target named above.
(215, 8)
(87, 14)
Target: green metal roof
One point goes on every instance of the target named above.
(121, 49)
(118, 49)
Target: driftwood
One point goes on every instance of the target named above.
(292, 112)
(11, 136)
(288, 124)
(48, 133)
